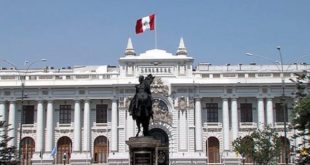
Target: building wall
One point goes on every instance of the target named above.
(181, 89)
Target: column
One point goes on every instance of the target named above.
(77, 127)
(49, 127)
(234, 118)
(225, 124)
(114, 137)
(269, 112)
(86, 133)
(12, 123)
(2, 111)
(2, 118)
(40, 127)
(198, 126)
(260, 113)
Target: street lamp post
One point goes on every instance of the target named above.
(282, 98)
(283, 106)
(22, 77)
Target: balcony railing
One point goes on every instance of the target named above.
(248, 125)
(212, 126)
(100, 124)
(64, 125)
(25, 126)
(281, 124)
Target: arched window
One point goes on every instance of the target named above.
(285, 144)
(28, 147)
(64, 147)
(101, 149)
(213, 150)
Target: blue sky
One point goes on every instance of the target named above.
(95, 32)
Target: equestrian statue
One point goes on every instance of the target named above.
(140, 107)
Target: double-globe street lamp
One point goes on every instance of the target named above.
(22, 77)
(283, 95)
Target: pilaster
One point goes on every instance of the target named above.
(183, 128)
(198, 125)
(130, 126)
(114, 135)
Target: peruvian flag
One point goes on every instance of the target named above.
(145, 23)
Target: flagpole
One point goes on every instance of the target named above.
(155, 32)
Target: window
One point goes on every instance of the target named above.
(212, 112)
(276, 75)
(45, 77)
(28, 114)
(229, 75)
(251, 75)
(101, 113)
(65, 114)
(280, 113)
(58, 77)
(205, 75)
(246, 112)
(7, 77)
(216, 75)
(82, 76)
(264, 75)
(287, 74)
(241, 75)
(68, 77)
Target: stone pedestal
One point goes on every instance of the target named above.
(143, 150)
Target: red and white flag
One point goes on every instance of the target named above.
(145, 23)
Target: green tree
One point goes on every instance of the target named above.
(301, 117)
(301, 114)
(262, 146)
(7, 153)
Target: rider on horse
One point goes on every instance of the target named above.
(141, 105)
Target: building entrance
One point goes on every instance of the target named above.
(163, 150)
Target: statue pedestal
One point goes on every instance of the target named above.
(143, 150)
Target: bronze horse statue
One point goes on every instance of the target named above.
(141, 104)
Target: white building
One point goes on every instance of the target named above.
(82, 111)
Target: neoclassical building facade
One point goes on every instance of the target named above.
(81, 112)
